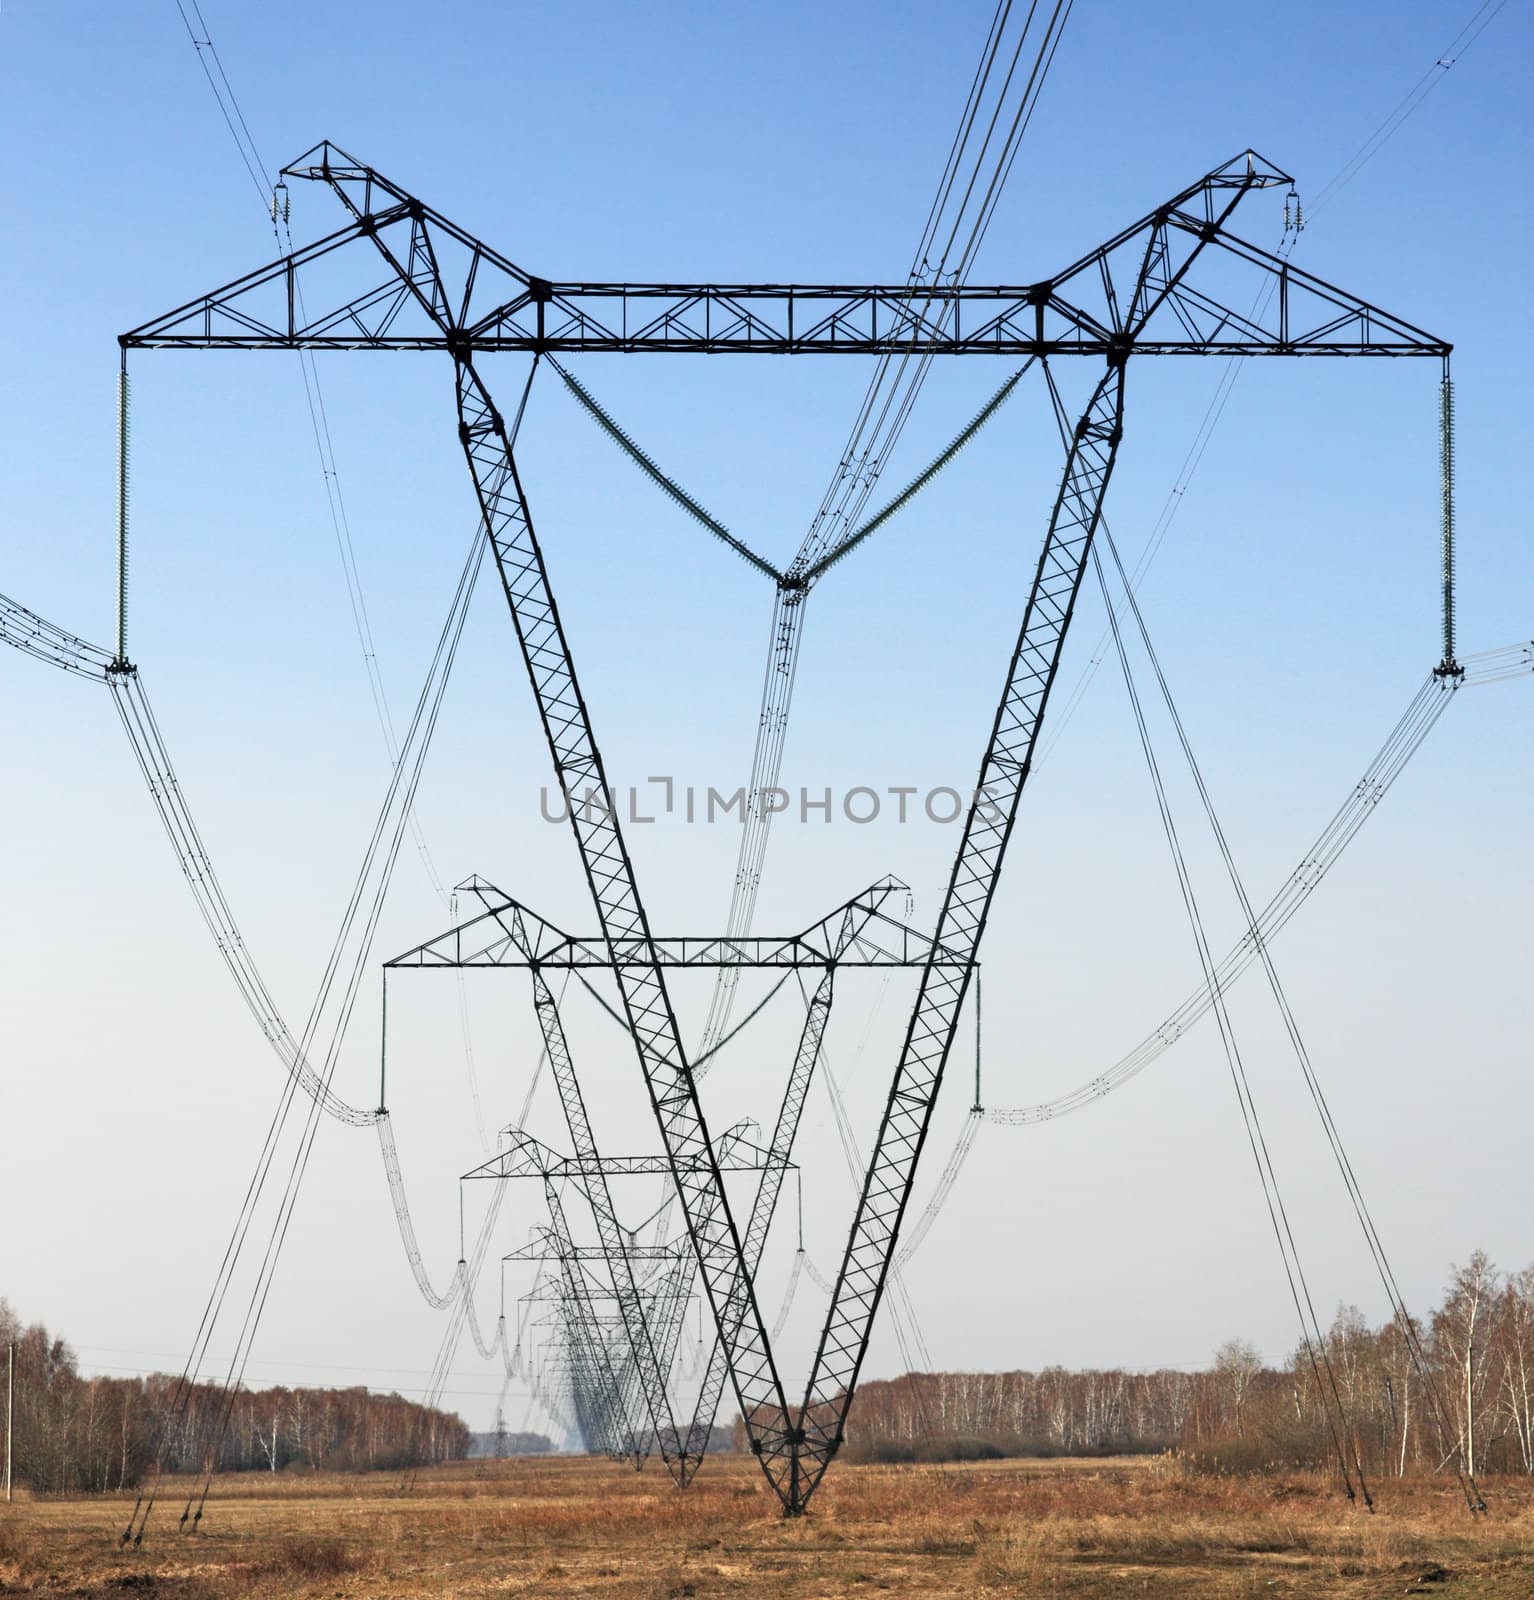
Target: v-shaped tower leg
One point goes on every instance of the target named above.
(647, 1004)
(854, 919)
(794, 1451)
(945, 979)
(768, 1188)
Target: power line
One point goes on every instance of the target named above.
(881, 419)
(1299, 1289)
(234, 118)
(1291, 1026)
(1478, 23)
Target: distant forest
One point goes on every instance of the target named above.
(76, 1434)
(1475, 1392)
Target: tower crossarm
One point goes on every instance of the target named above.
(491, 304)
(527, 1157)
(543, 1250)
(507, 934)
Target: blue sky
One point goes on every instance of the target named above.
(1294, 603)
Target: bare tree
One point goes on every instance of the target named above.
(1516, 1351)
(1462, 1335)
(1236, 1365)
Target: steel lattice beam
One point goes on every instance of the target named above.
(615, 894)
(1081, 310)
(977, 867)
(805, 1060)
(527, 1157)
(508, 934)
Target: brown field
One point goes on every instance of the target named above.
(576, 1526)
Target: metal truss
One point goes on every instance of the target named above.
(1085, 309)
(543, 1251)
(853, 922)
(645, 1366)
(972, 883)
(508, 934)
(527, 1157)
(606, 1378)
(846, 931)
(599, 1352)
(835, 939)
(439, 288)
(805, 1060)
(604, 1415)
(859, 933)
(604, 1374)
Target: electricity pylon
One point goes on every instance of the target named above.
(423, 283)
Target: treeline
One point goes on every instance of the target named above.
(75, 1434)
(1474, 1393)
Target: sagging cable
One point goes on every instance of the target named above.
(1429, 703)
(35, 636)
(922, 478)
(665, 484)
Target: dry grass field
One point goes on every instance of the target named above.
(586, 1527)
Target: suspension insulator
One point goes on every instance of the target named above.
(122, 514)
(1448, 667)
